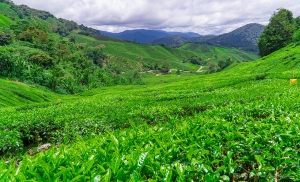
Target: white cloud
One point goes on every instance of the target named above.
(201, 16)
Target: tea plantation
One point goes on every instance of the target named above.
(241, 124)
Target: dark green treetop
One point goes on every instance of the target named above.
(278, 33)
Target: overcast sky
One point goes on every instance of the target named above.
(200, 16)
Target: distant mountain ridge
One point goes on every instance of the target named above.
(146, 36)
(243, 38)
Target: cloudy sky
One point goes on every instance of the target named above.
(201, 16)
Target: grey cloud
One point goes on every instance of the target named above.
(202, 16)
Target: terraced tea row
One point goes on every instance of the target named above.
(248, 131)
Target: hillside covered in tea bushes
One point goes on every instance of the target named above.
(239, 124)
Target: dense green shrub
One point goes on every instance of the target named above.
(42, 60)
(20, 26)
(296, 37)
(34, 35)
(5, 38)
(6, 63)
(96, 54)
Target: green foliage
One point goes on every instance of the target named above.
(23, 11)
(43, 60)
(84, 30)
(96, 54)
(297, 20)
(166, 66)
(5, 38)
(20, 26)
(212, 68)
(224, 64)
(197, 60)
(5, 62)
(69, 25)
(66, 27)
(34, 35)
(73, 39)
(278, 33)
(296, 37)
(4, 21)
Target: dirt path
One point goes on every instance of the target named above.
(170, 71)
(200, 69)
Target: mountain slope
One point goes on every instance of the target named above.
(243, 38)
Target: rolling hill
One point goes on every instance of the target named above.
(127, 56)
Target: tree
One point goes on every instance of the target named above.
(72, 39)
(34, 35)
(20, 26)
(96, 54)
(178, 72)
(197, 60)
(297, 20)
(296, 37)
(6, 63)
(278, 33)
(5, 38)
(212, 68)
(224, 64)
(166, 66)
(42, 60)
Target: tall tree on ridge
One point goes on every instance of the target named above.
(278, 33)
